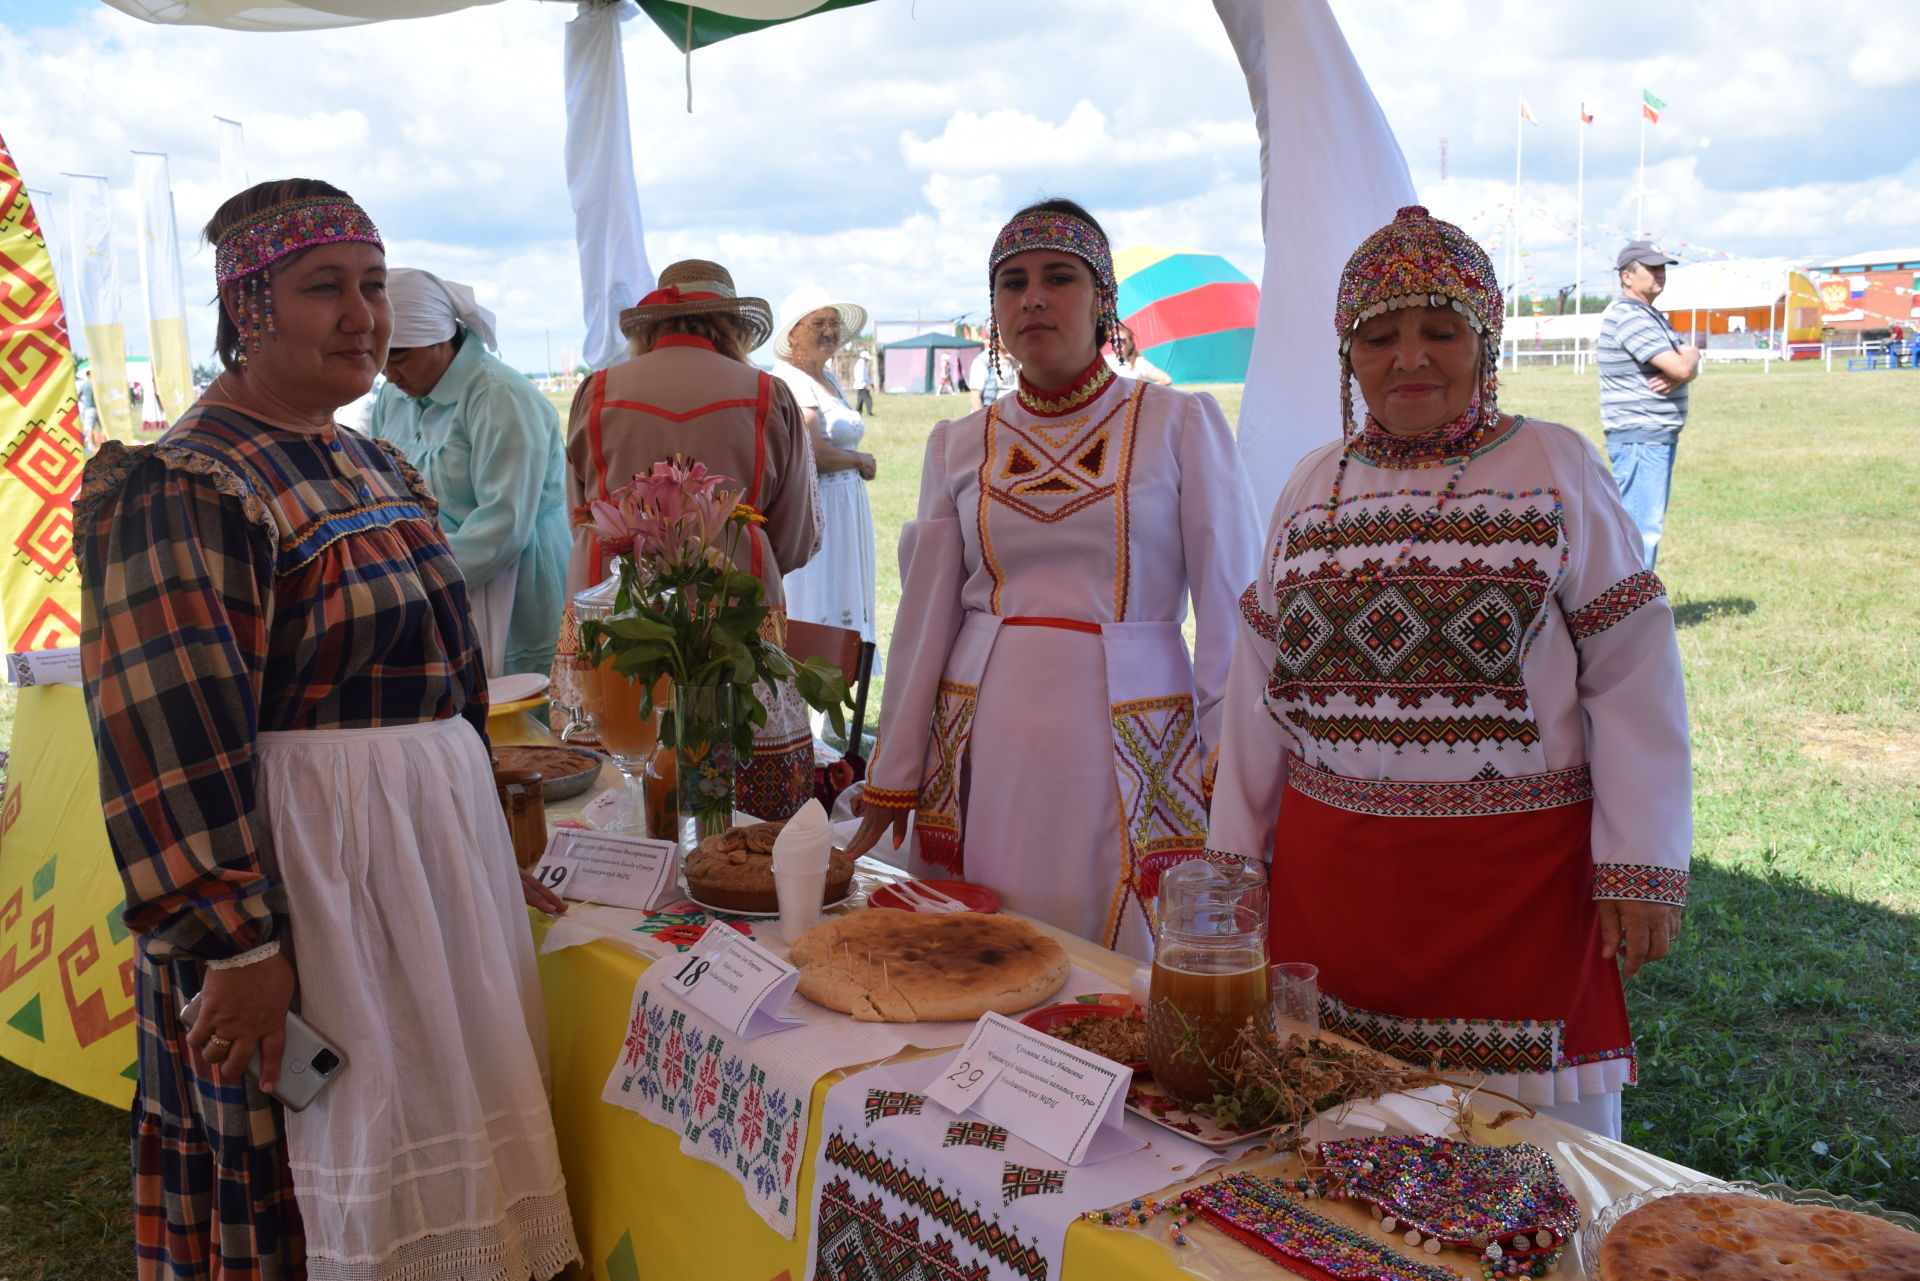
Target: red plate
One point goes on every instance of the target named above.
(1106, 1005)
(978, 898)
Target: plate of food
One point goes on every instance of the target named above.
(1107, 1023)
(733, 872)
(888, 966)
(978, 898)
(1766, 1229)
(564, 771)
(1147, 1100)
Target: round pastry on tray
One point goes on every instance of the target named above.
(564, 771)
(1731, 1236)
(888, 966)
(734, 871)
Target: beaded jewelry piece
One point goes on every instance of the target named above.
(1092, 381)
(247, 249)
(260, 240)
(1509, 1204)
(1255, 1211)
(1045, 229)
(1140, 1212)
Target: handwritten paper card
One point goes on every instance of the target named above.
(736, 983)
(602, 867)
(1058, 1097)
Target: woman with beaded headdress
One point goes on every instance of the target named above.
(1044, 721)
(289, 706)
(1459, 691)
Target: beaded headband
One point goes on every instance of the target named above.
(1418, 260)
(1048, 229)
(259, 241)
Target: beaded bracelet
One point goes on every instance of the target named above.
(1254, 1211)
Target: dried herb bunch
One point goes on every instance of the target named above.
(1285, 1079)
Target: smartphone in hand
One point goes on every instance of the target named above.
(308, 1063)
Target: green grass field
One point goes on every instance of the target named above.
(1782, 1041)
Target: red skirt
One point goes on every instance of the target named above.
(1453, 923)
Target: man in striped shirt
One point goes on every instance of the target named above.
(1644, 372)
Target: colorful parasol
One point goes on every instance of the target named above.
(1191, 313)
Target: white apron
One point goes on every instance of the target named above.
(432, 1155)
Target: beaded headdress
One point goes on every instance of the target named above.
(1418, 260)
(248, 248)
(1049, 229)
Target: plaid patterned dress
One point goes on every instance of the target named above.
(240, 577)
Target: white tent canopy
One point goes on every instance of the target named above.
(1733, 285)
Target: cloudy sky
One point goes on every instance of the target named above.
(876, 149)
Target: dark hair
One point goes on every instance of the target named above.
(716, 327)
(262, 195)
(1061, 205)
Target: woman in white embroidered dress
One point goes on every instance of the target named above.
(1458, 693)
(836, 587)
(1043, 717)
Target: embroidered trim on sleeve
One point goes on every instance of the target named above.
(1614, 604)
(1264, 625)
(1640, 881)
(888, 798)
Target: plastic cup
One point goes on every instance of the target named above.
(1295, 986)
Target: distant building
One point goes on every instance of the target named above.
(1869, 290)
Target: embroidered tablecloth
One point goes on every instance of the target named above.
(741, 1104)
(905, 1189)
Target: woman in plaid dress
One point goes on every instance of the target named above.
(288, 704)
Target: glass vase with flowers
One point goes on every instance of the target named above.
(684, 612)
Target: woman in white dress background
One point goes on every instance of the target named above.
(836, 587)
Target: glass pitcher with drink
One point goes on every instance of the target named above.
(1209, 974)
(612, 715)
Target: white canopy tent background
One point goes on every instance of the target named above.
(1321, 131)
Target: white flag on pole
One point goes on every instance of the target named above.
(233, 156)
(160, 277)
(94, 298)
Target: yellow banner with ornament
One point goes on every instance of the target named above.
(40, 451)
(66, 961)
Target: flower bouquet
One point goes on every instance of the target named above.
(683, 611)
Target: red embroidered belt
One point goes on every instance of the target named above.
(1467, 798)
(1064, 624)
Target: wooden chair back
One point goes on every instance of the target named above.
(843, 647)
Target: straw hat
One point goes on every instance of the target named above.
(803, 302)
(696, 287)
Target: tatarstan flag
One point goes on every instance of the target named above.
(1651, 107)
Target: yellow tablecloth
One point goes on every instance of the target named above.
(644, 1210)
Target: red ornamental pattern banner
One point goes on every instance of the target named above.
(40, 450)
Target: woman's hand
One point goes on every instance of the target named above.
(875, 819)
(866, 465)
(242, 1010)
(539, 897)
(1637, 931)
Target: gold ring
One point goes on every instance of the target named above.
(218, 1046)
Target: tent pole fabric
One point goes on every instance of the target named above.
(1321, 131)
(600, 181)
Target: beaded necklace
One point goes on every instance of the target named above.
(1092, 381)
(1459, 440)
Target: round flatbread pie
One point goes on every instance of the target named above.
(886, 966)
(1719, 1236)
